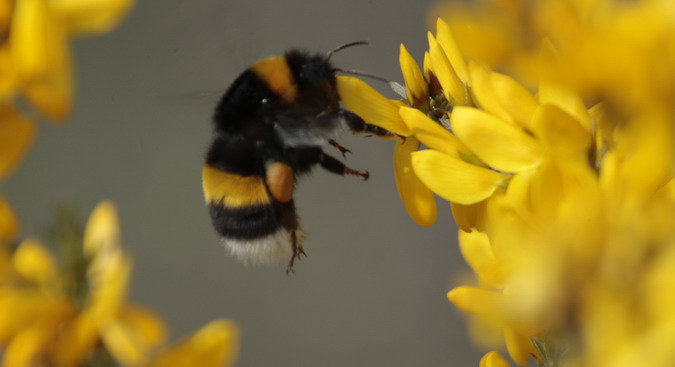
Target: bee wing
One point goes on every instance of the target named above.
(304, 131)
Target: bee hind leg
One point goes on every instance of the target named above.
(298, 251)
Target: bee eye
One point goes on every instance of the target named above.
(264, 100)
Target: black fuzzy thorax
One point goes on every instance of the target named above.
(245, 138)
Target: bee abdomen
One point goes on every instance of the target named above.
(253, 234)
(250, 222)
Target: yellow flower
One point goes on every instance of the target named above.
(129, 332)
(9, 225)
(447, 64)
(44, 324)
(378, 110)
(493, 359)
(35, 62)
(34, 306)
(40, 49)
(214, 345)
(16, 136)
(567, 212)
(416, 87)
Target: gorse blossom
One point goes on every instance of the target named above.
(35, 64)
(72, 312)
(50, 317)
(562, 183)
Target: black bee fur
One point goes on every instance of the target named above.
(270, 127)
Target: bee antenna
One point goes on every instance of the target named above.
(362, 73)
(396, 87)
(330, 53)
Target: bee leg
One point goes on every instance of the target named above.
(357, 125)
(297, 252)
(333, 165)
(339, 147)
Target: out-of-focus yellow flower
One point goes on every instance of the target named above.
(39, 46)
(43, 324)
(214, 345)
(129, 332)
(9, 225)
(493, 359)
(33, 304)
(16, 136)
(616, 51)
(35, 63)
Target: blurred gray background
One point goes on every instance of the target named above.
(372, 289)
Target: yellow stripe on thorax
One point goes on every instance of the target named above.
(233, 190)
(274, 71)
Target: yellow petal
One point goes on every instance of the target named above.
(9, 225)
(453, 87)
(416, 87)
(516, 100)
(567, 100)
(475, 248)
(29, 38)
(76, 340)
(493, 359)
(454, 179)
(430, 133)
(480, 302)
(34, 262)
(483, 93)
(214, 345)
(418, 200)
(16, 136)
(520, 347)
(559, 187)
(24, 307)
(6, 8)
(559, 131)
(108, 275)
(91, 16)
(484, 333)
(447, 41)
(469, 217)
(42, 57)
(370, 105)
(9, 80)
(426, 66)
(495, 141)
(26, 347)
(102, 231)
(132, 336)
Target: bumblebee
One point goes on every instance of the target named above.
(270, 127)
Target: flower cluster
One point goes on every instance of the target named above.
(563, 184)
(56, 315)
(72, 312)
(35, 64)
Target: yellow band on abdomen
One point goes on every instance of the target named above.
(233, 190)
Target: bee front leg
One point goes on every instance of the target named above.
(339, 147)
(333, 165)
(356, 124)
